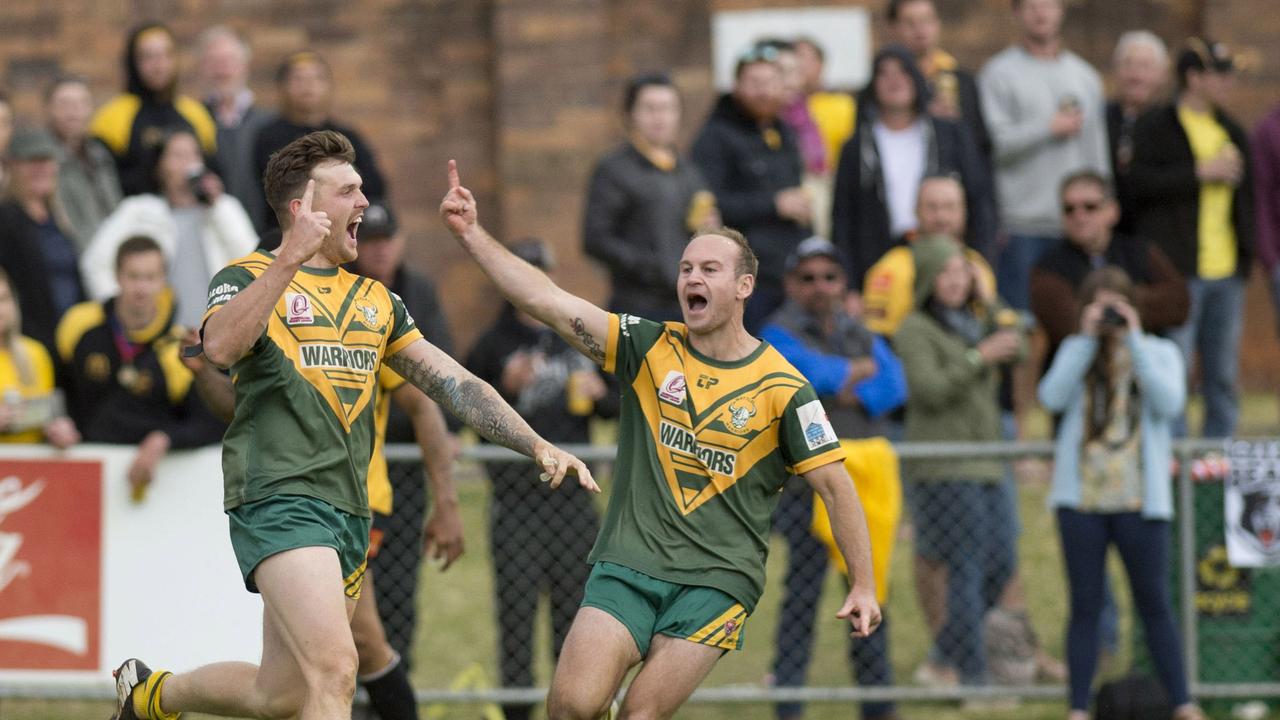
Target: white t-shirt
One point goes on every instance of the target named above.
(902, 154)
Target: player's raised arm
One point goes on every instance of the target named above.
(582, 324)
(230, 333)
(477, 404)
(849, 527)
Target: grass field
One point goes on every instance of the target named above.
(457, 637)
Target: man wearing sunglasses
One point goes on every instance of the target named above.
(1089, 216)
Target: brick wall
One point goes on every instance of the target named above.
(525, 93)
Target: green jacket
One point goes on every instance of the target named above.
(953, 395)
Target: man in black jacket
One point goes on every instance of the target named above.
(1193, 195)
(751, 161)
(897, 144)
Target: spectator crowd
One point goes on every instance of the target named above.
(915, 237)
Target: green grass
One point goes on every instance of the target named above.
(457, 642)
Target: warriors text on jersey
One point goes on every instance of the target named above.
(304, 422)
(703, 448)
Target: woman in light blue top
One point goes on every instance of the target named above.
(1119, 391)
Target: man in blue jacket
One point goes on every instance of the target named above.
(859, 381)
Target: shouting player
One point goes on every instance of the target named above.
(304, 340)
(713, 422)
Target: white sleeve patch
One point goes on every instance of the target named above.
(817, 428)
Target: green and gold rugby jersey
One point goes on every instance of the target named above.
(304, 422)
(703, 449)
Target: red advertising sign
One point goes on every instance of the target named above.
(50, 564)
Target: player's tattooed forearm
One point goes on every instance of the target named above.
(472, 401)
(587, 339)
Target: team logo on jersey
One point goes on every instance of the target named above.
(740, 412)
(673, 388)
(706, 382)
(369, 314)
(299, 309)
(817, 428)
(336, 357)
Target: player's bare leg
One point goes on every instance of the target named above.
(309, 660)
(674, 669)
(596, 656)
(381, 671)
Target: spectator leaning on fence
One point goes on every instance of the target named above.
(539, 538)
(1121, 391)
(36, 248)
(125, 381)
(644, 201)
(199, 228)
(952, 352)
(132, 124)
(1193, 195)
(752, 164)
(1044, 107)
(1141, 69)
(31, 409)
(1089, 214)
(88, 187)
(896, 145)
(859, 381)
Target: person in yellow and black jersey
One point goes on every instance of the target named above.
(132, 125)
(120, 360)
(713, 422)
(31, 409)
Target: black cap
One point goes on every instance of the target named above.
(815, 246)
(1204, 54)
(378, 223)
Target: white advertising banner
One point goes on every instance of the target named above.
(1252, 503)
(90, 577)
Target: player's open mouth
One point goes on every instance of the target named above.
(353, 228)
(695, 301)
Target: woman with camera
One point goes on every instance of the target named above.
(199, 228)
(1120, 391)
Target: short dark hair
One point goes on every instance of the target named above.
(136, 245)
(290, 167)
(298, 58)
(895, 7)
(747, 263)
(639, 82)
(1089, 177)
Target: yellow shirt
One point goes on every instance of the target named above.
(887, 292)
(39, 385)
(1217, 258)
(834, 114)
(380, 494)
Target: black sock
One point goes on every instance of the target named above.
(390, 693)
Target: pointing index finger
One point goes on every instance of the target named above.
(307, 195)
(454, 182)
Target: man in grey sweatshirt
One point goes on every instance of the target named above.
(1044, 108)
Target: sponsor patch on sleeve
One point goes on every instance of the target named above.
(222, 294)
(817, 428)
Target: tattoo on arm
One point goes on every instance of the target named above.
(587, 339)
(472, 401)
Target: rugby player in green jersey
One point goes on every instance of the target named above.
(304, 341)
(714, 421)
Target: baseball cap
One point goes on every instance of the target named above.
(1203, 54)
(30, 144)
(815, 246)
(378, 222)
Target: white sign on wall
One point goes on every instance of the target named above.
(844, 34)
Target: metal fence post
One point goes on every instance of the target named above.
(1187, 565)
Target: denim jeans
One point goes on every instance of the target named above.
(1213, 331)
(806, 569)
(1144, 547)
(1013, 268)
